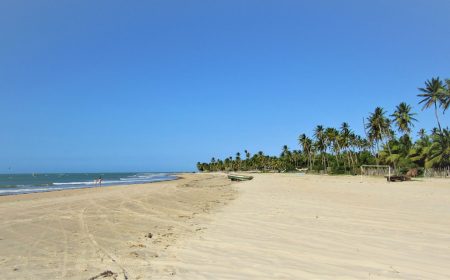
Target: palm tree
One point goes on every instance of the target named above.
(199, 166)
(296, 157)
(285, 155)
(332, 140)
(377, 125)
(438, 153)
(247, 155)
(432, 95)
(260, 160)
(285, 150)
(346, 139)
(320, 143)
(403, 118)
(213, 163)
(306, 144)
(379, 129)
(422, 133)
(446, 96)
(419, 151)
(238, 161)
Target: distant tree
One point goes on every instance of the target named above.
(433, 96)
(319, 134)
(404, 118)
(377, 126)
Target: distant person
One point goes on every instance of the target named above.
(98, 181)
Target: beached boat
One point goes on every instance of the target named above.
(235, 177)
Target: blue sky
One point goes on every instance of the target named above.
(160, 85)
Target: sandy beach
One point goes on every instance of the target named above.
(110, 231)
(277, 226)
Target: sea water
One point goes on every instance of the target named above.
(11, 184)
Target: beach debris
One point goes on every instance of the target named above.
(149, 235)
(105, 274)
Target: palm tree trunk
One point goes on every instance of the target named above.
(437, 117)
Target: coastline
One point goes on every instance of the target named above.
(39, 189)
(81, 233)
(202, 226)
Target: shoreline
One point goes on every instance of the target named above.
(176, 176)
(202, 226)
(81, 233)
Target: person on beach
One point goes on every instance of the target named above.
(98, 181)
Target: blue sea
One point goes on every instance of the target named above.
(11, 184)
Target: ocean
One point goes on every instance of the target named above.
(11, 184)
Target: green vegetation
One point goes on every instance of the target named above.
(341, 151)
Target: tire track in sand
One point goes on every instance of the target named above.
(85, 231)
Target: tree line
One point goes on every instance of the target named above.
(387, 141)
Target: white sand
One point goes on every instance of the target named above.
(318, 227)
(279, 226)
(79, 234)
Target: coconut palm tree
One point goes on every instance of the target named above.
(421, 133)
(419, 151)
(433, 96)
(438, 153)
(260, 160)
(307, 146)
(446, 96)
(377, 125)
(403, 118)
(285, 150)
(285, 156)
(332, 141)
(247, 155)
(346, 137)
(199, 166)
(320, 144)
(296, 157)
(238, 160)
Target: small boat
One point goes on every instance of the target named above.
(240, 177)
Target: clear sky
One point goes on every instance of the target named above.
(159, 85)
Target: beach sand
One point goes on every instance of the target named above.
(117, 231)
(277, 226)
(286, 226)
